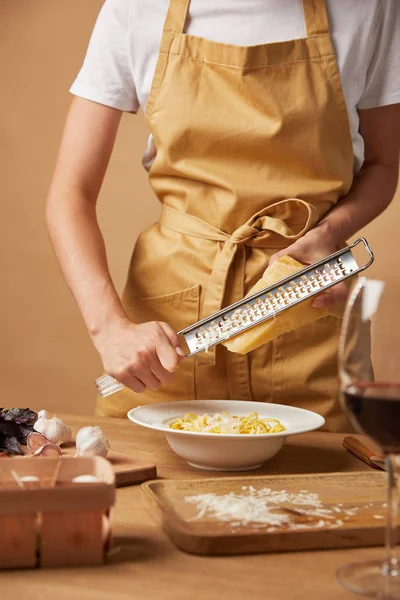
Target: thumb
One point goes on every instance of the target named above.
(173, 338)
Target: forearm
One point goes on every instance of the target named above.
(79, 247)
(139, 356)
(372, 191)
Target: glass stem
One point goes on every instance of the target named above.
(392, 563)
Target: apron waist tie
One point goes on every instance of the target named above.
(256, 232)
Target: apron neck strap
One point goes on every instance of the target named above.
(176, 16)
(315, 17)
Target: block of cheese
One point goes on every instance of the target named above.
(288, 320)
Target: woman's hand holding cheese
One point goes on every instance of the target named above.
(316, 244)
(139, 356)
(371, 192)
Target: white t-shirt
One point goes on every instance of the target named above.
(120, 61)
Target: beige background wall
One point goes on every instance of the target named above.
(47, 360)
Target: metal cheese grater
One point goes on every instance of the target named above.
(263, 305)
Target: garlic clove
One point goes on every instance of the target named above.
(43, 414)
(85, 479)
(91, 441)
(35, 441)
(55, 430)
(51, 450)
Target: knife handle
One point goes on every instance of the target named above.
(362, 451)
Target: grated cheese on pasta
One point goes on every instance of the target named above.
(226, 423)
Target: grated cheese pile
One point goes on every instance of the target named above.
(260, 508)
(226, 423)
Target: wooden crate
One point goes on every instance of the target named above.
(55, 522)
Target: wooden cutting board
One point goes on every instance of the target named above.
(355, 503)
(128, 470)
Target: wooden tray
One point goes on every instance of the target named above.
(128, 470)
(359, 520)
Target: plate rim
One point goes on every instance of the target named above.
(227, 436)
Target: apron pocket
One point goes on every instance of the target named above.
(179, 310)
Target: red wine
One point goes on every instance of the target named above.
(375, 408)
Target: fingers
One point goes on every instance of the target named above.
(159, 372)
(137, 386)
(147, 376)
(130, 381)
(333, 295)
(322, 301)
(173, 338)
(166, 353)
(138, 376)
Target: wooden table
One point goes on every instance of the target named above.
(149, 567)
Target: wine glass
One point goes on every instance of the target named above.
(369, 372)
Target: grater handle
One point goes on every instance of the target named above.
(107, 385)
(368, 248)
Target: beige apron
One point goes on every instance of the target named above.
(253, 149)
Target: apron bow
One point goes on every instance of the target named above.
(256, 232)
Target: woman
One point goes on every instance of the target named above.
(260, 147)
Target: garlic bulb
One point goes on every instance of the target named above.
(55, 430)
(92, 441)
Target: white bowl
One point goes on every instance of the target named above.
(225, 452)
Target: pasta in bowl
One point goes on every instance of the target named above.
(225, 435)
(226, 423)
